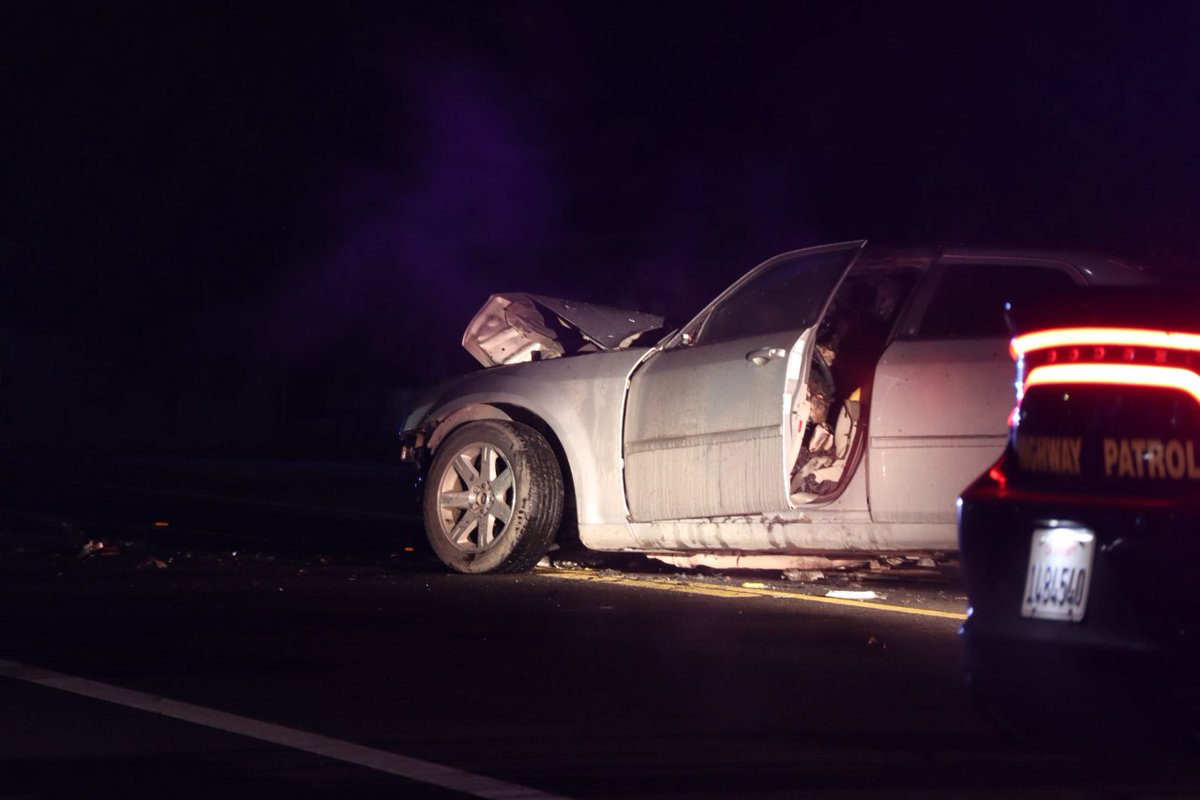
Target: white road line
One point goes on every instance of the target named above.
(392, 763)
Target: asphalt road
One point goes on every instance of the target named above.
(163, 664)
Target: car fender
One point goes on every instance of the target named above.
(579, 401)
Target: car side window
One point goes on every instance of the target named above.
(969, 299)
(785, 296)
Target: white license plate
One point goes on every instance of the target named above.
(1060, 573)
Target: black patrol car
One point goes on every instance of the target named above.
(1080, 547)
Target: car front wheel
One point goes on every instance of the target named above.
(493, 498)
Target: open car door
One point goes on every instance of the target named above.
(708, 422)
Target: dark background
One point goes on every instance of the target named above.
(256, 229)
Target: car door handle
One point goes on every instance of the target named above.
(765, 354)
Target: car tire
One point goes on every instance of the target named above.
(493, 498)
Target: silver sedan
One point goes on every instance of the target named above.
(826, 409)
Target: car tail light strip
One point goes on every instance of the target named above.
(1116, 374)
(1116, 337)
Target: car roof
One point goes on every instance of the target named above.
(1097, 268)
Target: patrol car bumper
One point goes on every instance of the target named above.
(1134, 651)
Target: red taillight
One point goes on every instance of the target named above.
(1119, 337)
(996, 473)
(1107, 356)
(1118, 375)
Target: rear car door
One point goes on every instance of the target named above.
(707, 418)
(943, 389)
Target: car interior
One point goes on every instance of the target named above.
(831, 415)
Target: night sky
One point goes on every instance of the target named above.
(198, 195)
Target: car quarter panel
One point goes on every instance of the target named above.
(581, 400)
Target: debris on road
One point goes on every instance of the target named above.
(98, 546)
(849, 594)
(803, 575)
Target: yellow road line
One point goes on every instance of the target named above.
(709, 590)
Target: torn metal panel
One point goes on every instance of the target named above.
(516, 327)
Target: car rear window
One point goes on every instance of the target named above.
(968, 302)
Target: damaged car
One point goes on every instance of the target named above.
(825, 409)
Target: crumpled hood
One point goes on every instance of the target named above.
(515, 327)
